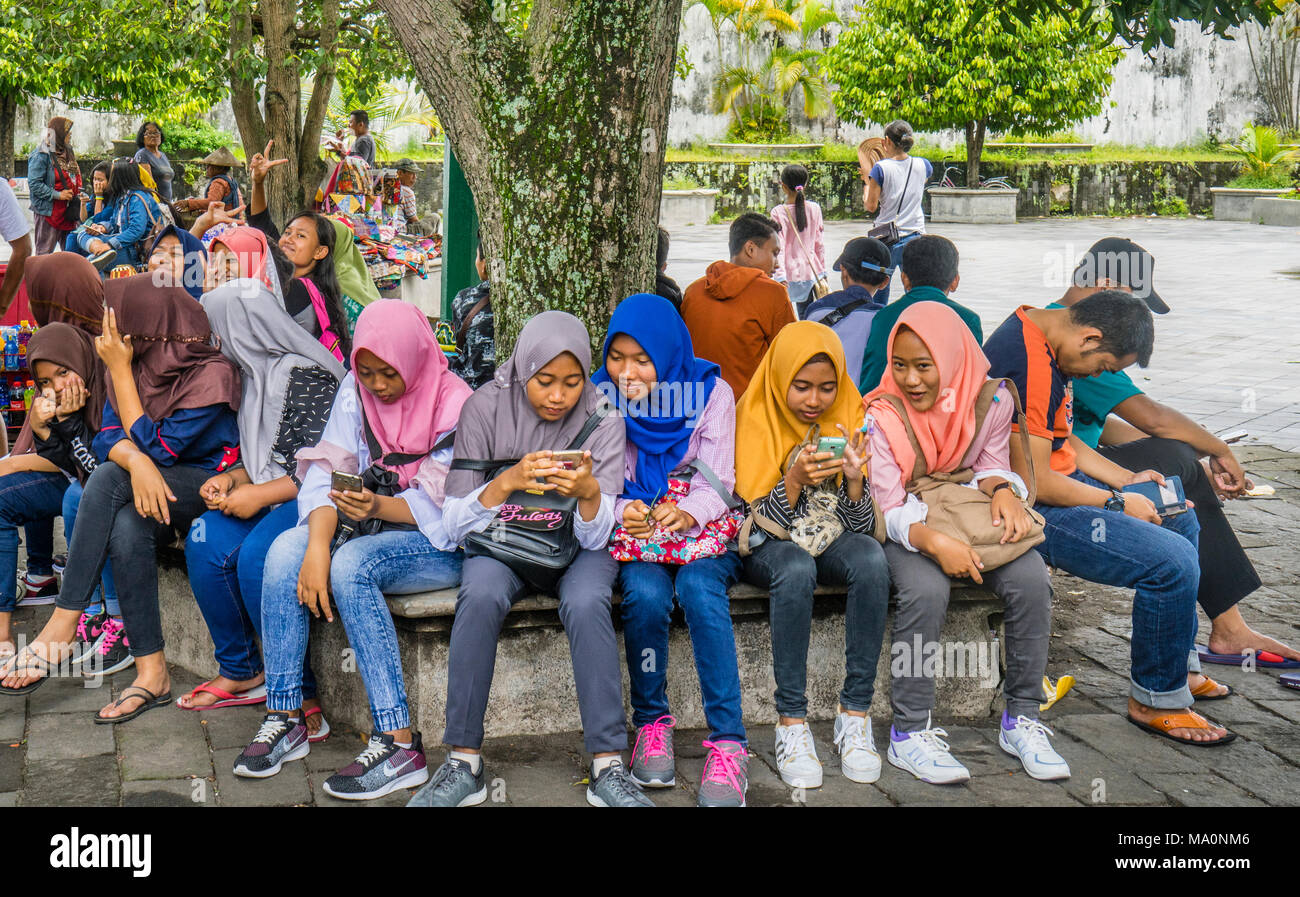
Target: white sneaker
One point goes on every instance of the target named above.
(858, 758)
(925, 755)
(1027, 739)
(796, 757)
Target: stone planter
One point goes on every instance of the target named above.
(766, 149)
(964, 205)
(1237, 203)
(1278, 212)
(682, 208)
(125, 148)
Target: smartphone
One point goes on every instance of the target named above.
(1168, 499)
(345, 482)
(567, 460)
(832, 444)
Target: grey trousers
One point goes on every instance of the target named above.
(487, 590)
(923, 591)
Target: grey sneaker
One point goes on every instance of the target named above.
(653, 761)
(277, 742)
(380, 769)
(453, 785)
(615, 788)
(726, 775)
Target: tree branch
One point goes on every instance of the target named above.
(243, 89)
(317, 106)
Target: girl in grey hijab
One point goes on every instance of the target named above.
(289, 382)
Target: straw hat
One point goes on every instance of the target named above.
(222, 157)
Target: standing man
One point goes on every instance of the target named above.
(364, 145)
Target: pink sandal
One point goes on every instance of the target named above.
(254, 695)
(323, 732)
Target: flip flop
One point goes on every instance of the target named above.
(323, 732)
(149, 702)
(1266, 660)
(1202, 691)
(1290, 680)
(44, 668)
(1185, 720)
(254, 695)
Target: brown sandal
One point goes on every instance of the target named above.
(1162, 726)
(1204, 691)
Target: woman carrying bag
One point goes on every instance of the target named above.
(953, 507)
(895, 188)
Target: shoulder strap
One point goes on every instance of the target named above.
(911, 164)
(377, 455)
(844, 311)
(707, 472)
(464, 324)
(799, 237)
(1021, 424)
(490, 464)
(602, 410)
(918, 468)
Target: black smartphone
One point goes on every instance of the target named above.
(1168, 499)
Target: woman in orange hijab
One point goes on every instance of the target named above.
(800, 395)
(937, 369)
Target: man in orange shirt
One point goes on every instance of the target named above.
(735, 310)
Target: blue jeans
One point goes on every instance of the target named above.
(226, 557)
(397, 562)
(1160, 563)
(71, 501)
(26, 498)
(895, 259)
(700, 587)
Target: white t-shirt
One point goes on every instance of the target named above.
(892, 176)
(13, 223)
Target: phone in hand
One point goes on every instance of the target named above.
(346, 482)
(567, 460)
(833, 444)
(1168, 499)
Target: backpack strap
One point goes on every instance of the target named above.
(463, 329)
(707, 472)
(844, 311)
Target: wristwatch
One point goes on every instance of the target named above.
(1115, 502)
(1004, 485)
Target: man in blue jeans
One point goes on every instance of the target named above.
(1093, 530)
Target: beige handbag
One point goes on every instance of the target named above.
(957, 510)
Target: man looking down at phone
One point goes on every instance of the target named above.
(1095, 531)
(1132, 429)
(505, 480)
(390, 423)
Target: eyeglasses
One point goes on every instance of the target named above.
(153, 133)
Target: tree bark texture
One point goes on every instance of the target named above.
(561, 134)
(8, 127)
(974, 149)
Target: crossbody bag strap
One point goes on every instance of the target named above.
(491, 464)
(707, 472)
(601, 412)
(911, 164)
(844, 311)
(918, 467)
(1022, 425)
(463, 329)
(798, 237)
(392, 459)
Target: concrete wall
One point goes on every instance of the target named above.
(94, 132)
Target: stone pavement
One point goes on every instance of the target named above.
(51, 753)
(1227, 354)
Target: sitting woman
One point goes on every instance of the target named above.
(539, 401)
(168, 424)
(289, 386)
(816, 524)
(130, 212)
(180, 260)
(931, 354)
(389, 425)
(674, 528)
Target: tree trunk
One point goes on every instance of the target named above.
(8, 126)
(561, 134)
(974, 149)
(282, 105)
(310, 168)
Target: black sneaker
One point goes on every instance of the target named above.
(112, 653)
(380, 769)
(278, 741)
(38, 590)
(89, 628)
(60, 564)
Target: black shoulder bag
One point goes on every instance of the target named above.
(887, 233)
(532, 534)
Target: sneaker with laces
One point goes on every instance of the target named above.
(112, 651)
(382, 768)
(38, 590)
(654, 764)
(857, 748)
(1027, 739)
(796, 757)
(60, 563)
(89, 629)
(726, 775)
(615, 788)
(278, 741)
(925, 755)
(453, 785)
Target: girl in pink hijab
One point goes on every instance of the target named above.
(937, 369)
(391, 425)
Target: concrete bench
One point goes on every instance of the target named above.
(533, 691)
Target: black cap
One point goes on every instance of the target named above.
(1124, 262)
(864, 254)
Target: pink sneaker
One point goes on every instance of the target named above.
(726, 775)
(653, 760)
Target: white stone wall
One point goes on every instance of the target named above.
(93, 132)
(1202, 87)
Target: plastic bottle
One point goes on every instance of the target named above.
(28, 394)
(15, 395)
(4, 398)
(11, 349)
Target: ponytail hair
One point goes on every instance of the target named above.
(900, 134)
(795, 176)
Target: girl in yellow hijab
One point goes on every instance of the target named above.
(815, 526)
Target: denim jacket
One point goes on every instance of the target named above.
(128, 221)
(40, 183)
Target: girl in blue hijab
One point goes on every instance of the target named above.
(675, 518)
(178, 258)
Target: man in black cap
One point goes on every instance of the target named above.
(1114, 416)
(864, 271)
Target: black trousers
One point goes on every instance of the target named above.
(1227, 575)
(108, 525)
